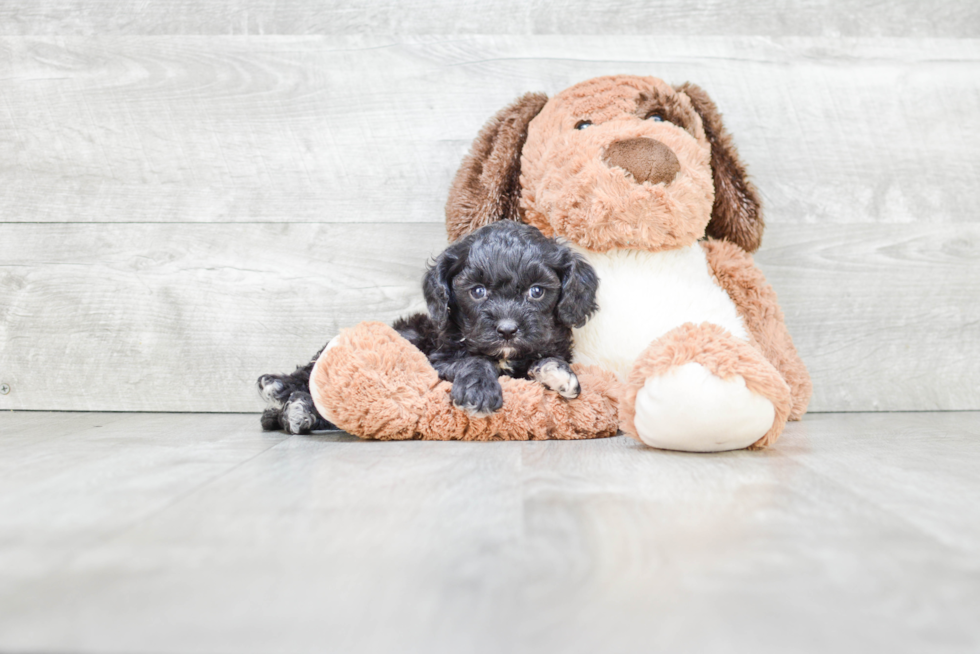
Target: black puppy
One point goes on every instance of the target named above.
(501, 300)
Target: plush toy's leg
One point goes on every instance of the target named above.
(699, 389)
(373, 383)
(288, 403)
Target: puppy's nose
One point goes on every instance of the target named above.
(647, 160)
(507, 329)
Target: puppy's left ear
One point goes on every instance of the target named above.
(579, 284)
(737, 212)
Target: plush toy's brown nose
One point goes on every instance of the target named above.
(647, 160)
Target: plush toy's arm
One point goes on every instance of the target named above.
(757, 304)
(372, 382)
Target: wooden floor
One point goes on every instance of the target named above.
(167, 533)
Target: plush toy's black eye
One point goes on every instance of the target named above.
(657, 118)
(478, 292)
(535, 292)
(582, 124)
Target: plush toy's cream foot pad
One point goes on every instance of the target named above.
(373, 383)
(697, 388)
(692, 410)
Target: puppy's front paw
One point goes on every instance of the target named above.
(477, 395)
(270, 419)
(556, 375)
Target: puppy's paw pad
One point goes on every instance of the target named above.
(298, 415)
(557, 376)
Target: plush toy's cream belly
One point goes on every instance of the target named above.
(642, 296)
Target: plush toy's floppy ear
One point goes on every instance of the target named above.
(737, 213)
(437, 282)
(579, 284)
(487, 185)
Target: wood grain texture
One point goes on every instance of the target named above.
(948, 18)
(886, 318)
(199, 533)
(185, 317)
(371, 129)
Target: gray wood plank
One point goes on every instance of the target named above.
(887, 318)
(371, 129)
(949, 18)
(817, 526)
(441, 523)
(185, 317)
(80, 484)
(907, 449)
(25, 429)
(190, 533)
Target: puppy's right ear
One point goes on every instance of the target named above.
(437, 283)
(487, 187)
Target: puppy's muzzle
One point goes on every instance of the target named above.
(647, 160)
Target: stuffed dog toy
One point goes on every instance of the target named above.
(688, 349)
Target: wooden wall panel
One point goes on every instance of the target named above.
(886, 317)
(185, 317)
(185, 208)
(132, 317)
(371, 129)
(952, 18)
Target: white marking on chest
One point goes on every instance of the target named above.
(503, 365)
(644, 295)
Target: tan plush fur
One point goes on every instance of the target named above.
(373, 383)
(723, 355)
(487, 186)
(759, 308)
(736, 214)
(569, 191)
(602, 189)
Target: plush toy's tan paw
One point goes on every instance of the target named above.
(373, 383)
(699, 389)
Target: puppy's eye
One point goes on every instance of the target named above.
(657, 118)
(535, 292)
(478, 292)
(582, 124)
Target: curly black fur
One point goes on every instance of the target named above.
(501, 300)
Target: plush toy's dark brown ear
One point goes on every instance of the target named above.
(487, 186)
(737, 213)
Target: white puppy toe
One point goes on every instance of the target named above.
(557, 377)
(692, 410)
